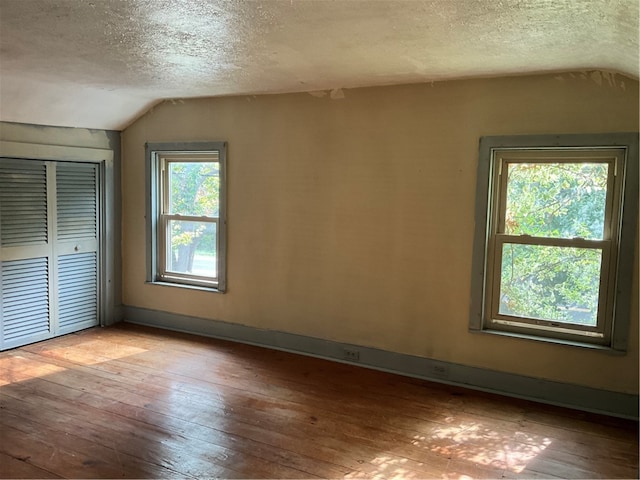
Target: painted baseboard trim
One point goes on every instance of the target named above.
(509, 384)
(116, 315)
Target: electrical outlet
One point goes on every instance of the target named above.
(440, 371)
(351, 355)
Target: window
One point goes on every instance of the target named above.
(554, 240)
(186, 214)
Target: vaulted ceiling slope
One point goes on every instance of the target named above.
(101, 63)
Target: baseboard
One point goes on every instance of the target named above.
(509, 384)
(115, 315)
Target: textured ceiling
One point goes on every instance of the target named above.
(101, 63)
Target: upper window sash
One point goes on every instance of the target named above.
(166, 160)
(501, 160)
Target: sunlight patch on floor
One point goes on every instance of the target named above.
(391, 468)
(16, 368)
(459, 449)
(386, 467)
(93, 352)
(479, 444)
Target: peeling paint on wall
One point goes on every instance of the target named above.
(599, 77)
(337, 94)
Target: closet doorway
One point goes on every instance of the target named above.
(50, 232)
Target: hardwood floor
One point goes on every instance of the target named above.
(134, 402)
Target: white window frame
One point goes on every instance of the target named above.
(159, 157)
(620, 152)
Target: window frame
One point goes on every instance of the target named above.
(618, 243)
(158, 157)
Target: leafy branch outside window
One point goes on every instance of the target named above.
(553, 200)
(194, 192)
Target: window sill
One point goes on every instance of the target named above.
(557, 341)
(187, 286)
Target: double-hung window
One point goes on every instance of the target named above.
(186, 209)
(554, 237)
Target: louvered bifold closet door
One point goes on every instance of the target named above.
(77, 246)
(25, 253)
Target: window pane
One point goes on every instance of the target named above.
(550, 283)
(194, 188)
(559, 200)
(192, 248)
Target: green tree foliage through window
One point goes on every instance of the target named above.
(561, 200)
(194, 191)
(555, 238)
(553, 200)
(550, 283)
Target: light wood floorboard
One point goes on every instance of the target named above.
(136, 402)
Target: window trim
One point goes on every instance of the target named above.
(617, 340)
(156, 154)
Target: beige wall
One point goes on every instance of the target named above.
(352, 219)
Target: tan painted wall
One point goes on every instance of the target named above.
(352, 219)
